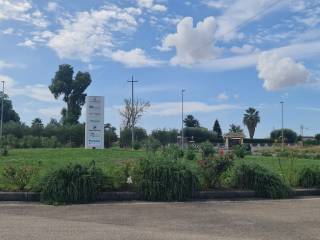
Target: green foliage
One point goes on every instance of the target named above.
(217, 129)
(207, 150)
(317, 137)
(4, 151)
(212, 169)
(73, 183)
(190, 121)
(260, 179)
(19, 176)
(164, 179)
(199, 134)
(173, 152)
(152, 144)
(289, 135)
(235, 129)
(110, 135)
(251, 119)
(8, 113)
(309, 177)
(140, 135)
(190, 154)
(165, 137)
(242, 150)
(72, 89)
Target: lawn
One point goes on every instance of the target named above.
(109, 159)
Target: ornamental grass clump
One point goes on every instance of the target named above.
(309, 177)
(164, 179)
(73, 183)
(264, 182)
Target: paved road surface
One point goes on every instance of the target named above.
(215, 220)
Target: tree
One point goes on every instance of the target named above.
(37, 127)
(190, 121)
(8, 113)
(235, 129)
(217, 129)
(110, 135)
(72, 90)
(317, 137)
(125, 136)
(289, 135)
(165, 137)
(131, 116)
(251, 119)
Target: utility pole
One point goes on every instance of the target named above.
(132, 110)
(182, 116)
(2, 101)
(282, 135)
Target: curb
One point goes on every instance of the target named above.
(133, 196)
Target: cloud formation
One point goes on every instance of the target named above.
(134, 58)
(280, 72)
(193, 44)
(90, 33)
(174, 108)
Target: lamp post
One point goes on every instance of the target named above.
(282, 134)
(182, 116)
(132, 111)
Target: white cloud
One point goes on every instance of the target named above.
(217, 4)
(193, 44)
(21, 10)
(223, 97)
(52, 6)
(243, 12)
(91, 33)
(8, 31)
(134, 58)
(149, 4)
(27, 43)
(280, 72)
(174, 108)
(295, 51)
(4, 64)
(38, 91)
(245, 49)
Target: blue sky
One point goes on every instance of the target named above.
(228, 55)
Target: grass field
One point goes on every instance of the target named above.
(109, 159)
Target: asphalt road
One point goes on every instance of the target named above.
(214, 220)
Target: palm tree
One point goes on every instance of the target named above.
(251, 119)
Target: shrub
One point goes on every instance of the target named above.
(264, 182)
(239, 151)
(173, 152)
(19, 176)
(309, 177)
(162, 179)
(207, 150)
(213, 168)
(152, 144)
(190, 154)
(72, 184)
(4, 151)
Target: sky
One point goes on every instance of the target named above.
(227, 54)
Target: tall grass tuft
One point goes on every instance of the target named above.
(264, 182)
(72, 184)
(309, 177)
(164, 179)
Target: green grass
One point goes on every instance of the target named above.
(110, 159)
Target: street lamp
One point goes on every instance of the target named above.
(182, 116)
(282, 135)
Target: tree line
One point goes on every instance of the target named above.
(68, 131)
